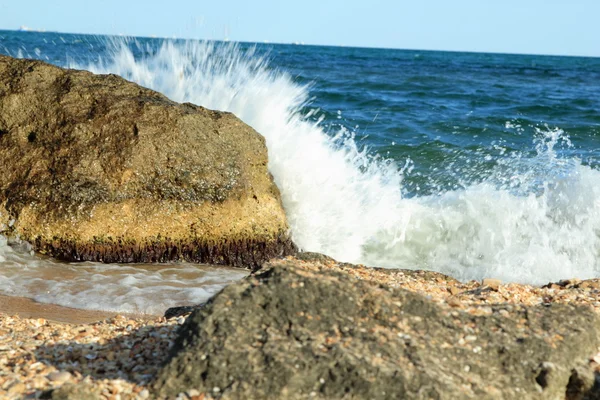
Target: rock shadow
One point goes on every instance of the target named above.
(134, 356)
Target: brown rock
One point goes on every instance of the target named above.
(98, 168)
(16, 388)
(554, 286)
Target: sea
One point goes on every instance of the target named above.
(474, 165)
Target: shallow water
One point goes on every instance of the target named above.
(126, 288)
(474, 165)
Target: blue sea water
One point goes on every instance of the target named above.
(475, 165)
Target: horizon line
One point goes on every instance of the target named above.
(31, 30)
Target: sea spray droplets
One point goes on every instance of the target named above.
(534, 219)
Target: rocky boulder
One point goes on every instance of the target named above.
(98, 168)
(295, 330)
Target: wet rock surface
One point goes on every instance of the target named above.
(98, 168)
(301, 329)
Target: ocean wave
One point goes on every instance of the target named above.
(532, 219)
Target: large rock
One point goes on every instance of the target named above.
(98, 168)
(296, 330)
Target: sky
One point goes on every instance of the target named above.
(560, 27)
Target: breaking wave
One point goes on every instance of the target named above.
(534, 219)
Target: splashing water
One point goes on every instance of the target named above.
(336, 196)
(344, 203)
(533, 217)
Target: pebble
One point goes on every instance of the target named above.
(59, 376)
(454, 301)
(16, 388)
(493, 284)
(453, 290)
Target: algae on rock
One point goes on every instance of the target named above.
(98, 168)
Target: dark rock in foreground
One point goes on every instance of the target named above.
(296, 331)
(98, 168)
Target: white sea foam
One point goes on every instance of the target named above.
(134, 288)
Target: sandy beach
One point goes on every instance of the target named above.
(44, 346)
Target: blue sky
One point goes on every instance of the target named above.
(567, 27)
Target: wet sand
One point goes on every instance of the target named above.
(30, 309)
